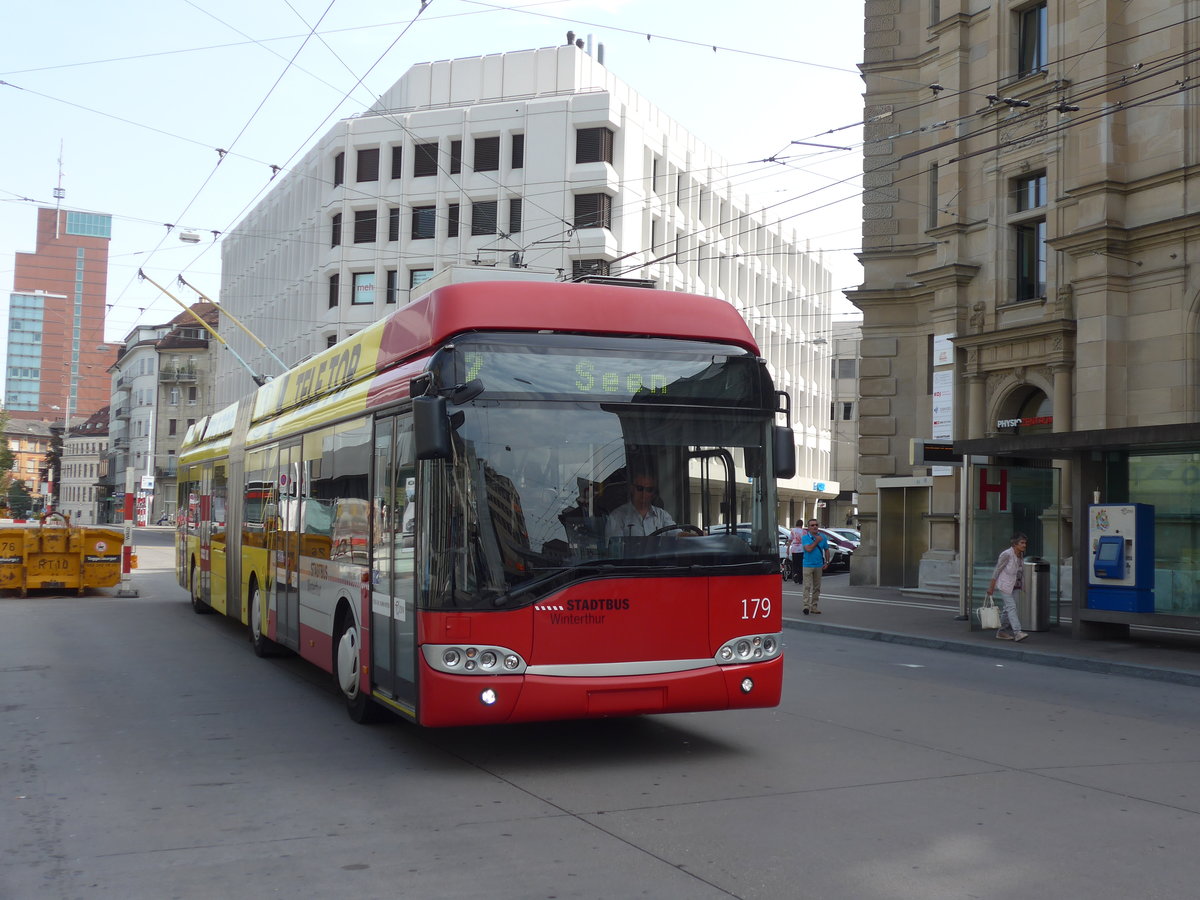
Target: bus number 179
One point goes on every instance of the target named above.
(756, 608)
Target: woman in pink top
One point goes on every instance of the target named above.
(1008, 579)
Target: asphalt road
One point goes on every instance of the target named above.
(146, 753)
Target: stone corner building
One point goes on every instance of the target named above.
(1031, 213)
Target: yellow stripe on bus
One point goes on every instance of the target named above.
(325, 373)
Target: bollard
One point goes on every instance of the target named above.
(127, 589)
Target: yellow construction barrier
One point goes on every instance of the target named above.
(55, 554)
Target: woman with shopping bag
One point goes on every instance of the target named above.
(1008, 579)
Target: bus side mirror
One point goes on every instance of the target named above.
(431, 428)
(785, 452)
(754, 463)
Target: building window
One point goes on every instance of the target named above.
(394, 223)
(330, 340)
(593, 211)
(933, 196)
(417, 277)
(425, 159)
(364, 226)
(518, 151)
(1031, 260)
(1031, 40)
(192, 396)
(89, 225)
(368, 165)
(171, 426)
(483, 217)
(364, 289)
(581, 268)
(391, 286)
(334, 283)
(487, 154)
(845, 368)
(514, 215)
(452, 220)
(1029, 237)
(1030, 192)
(339, 169)
(336, 236)
(455, 157)
(424, 221)
(847, 412)
(593, 145)
(397, 162)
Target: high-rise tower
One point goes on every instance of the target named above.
(57, 361)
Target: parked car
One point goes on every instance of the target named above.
(853, 535)
(841, 548)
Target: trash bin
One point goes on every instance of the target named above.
(1033, 607)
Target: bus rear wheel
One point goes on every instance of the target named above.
(359, 705)
(261, 644)
(199, 607)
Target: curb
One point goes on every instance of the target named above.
(1034, 657)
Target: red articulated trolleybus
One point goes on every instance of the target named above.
(440, 510)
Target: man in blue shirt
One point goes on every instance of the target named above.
(816, 558)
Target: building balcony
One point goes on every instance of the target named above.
(167, 471)
(120, 443)
(180, 375)
(121, 412)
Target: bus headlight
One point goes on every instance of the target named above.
(750, 648)
(473, 660)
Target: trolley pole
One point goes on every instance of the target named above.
(127, 589)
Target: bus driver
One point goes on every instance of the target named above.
(638, 517)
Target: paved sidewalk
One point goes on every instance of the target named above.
(886, 614)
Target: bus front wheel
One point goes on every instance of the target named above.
(359, 705)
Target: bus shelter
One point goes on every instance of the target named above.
(1057, 487)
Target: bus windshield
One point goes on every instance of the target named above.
(540, 493)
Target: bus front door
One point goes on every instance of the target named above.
(287, 548)
(393, 613)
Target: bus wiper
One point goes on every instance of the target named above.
(568, 573)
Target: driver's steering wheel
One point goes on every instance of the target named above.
(687, 529)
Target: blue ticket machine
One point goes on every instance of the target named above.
(1121, 572)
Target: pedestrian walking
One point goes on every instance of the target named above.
(1008, 579)
(795, 552)
(815, 549)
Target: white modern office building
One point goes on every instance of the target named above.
(538, 163)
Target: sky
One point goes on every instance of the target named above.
(141, 94)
